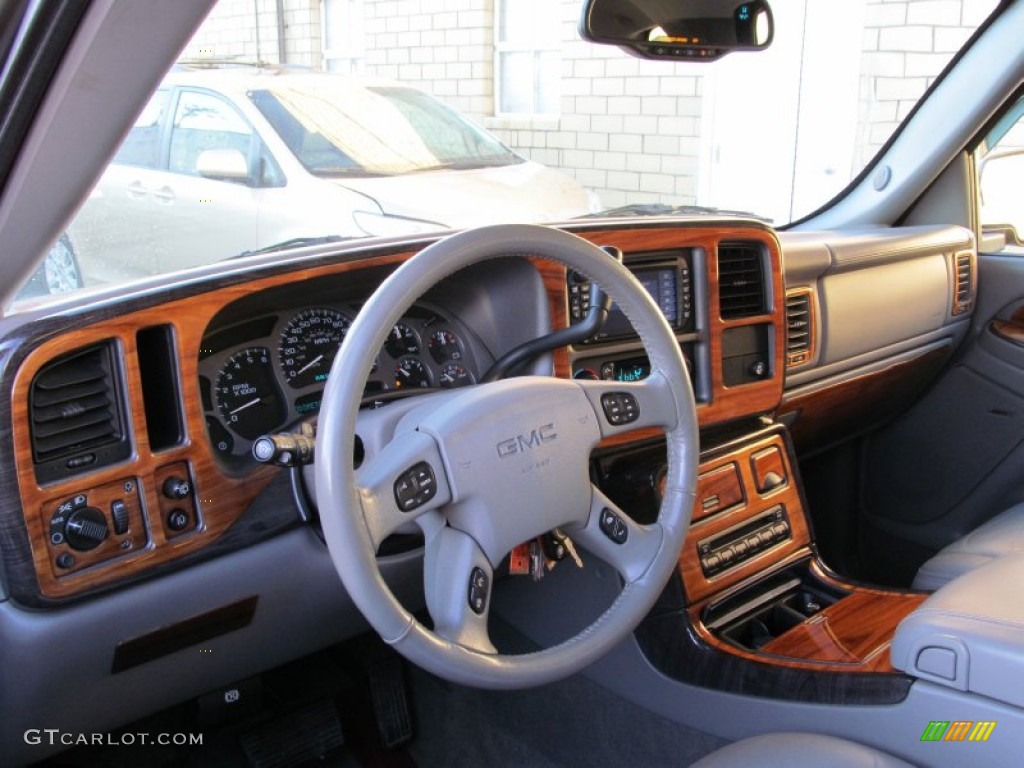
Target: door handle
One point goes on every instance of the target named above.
(164, 194)
(1011, 330)
(137, 190)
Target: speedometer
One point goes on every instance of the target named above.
(308, 345)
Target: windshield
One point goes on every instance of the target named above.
(336, 128)
(322, 128)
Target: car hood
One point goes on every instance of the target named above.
(524, 192)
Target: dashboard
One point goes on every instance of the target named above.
(190, 373)
(268, 372)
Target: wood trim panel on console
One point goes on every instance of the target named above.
(854, 634)
(698, 586)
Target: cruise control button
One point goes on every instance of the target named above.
(620, 407)
(613, 527)
(415, 487)
(478, 588)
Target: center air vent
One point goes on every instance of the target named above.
(77, 414)
(799, 328)
(740, 280)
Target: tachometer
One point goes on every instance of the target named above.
(309, 344)
(247, 395)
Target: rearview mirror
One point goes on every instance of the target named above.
(679, 30)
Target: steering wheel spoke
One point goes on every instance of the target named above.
(457, 580)
(617, 539)
(625, 406)
(401, 483)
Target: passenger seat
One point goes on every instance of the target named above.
(1001, 535)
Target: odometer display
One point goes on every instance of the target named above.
(247, 395)
(309, 344)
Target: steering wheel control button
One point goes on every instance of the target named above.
(415, 487)
(479, 586)
(85, 529)
(620, 407)
(177, 519)
(613, 526)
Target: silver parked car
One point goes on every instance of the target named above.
(224, 161)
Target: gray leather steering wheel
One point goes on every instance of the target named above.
(484, 468)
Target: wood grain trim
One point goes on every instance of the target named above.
(804, 357)
(854, 405)
(221, 498)
(1011, 330)
(853, 634)
(725, 403)
(698, 586)
(857, 629)
(717, 489)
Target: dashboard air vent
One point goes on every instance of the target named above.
(799, 328)
(740, 280)
(77, 414)
(964, 297)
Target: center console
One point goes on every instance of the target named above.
(754, 610)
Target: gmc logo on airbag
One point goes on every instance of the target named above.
(522, 443)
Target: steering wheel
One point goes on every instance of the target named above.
(484, 468)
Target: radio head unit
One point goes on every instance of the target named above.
(667, 276)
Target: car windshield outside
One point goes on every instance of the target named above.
(348, 119)
(334, 129)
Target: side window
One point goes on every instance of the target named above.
(1000, 163)
(205, 122)
(141, 147)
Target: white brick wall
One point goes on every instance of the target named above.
(898, 65)
(628, 129)
(231, 32)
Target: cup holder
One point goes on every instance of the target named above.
(764, 611)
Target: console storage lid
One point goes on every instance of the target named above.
(969, 634)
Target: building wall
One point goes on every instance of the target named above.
(899, 64)
(248, 31)
(631, 130)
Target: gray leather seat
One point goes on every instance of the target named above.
(798, 750)
(1001, 535)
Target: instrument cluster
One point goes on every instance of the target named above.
(266, 373)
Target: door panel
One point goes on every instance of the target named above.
(957, 457)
